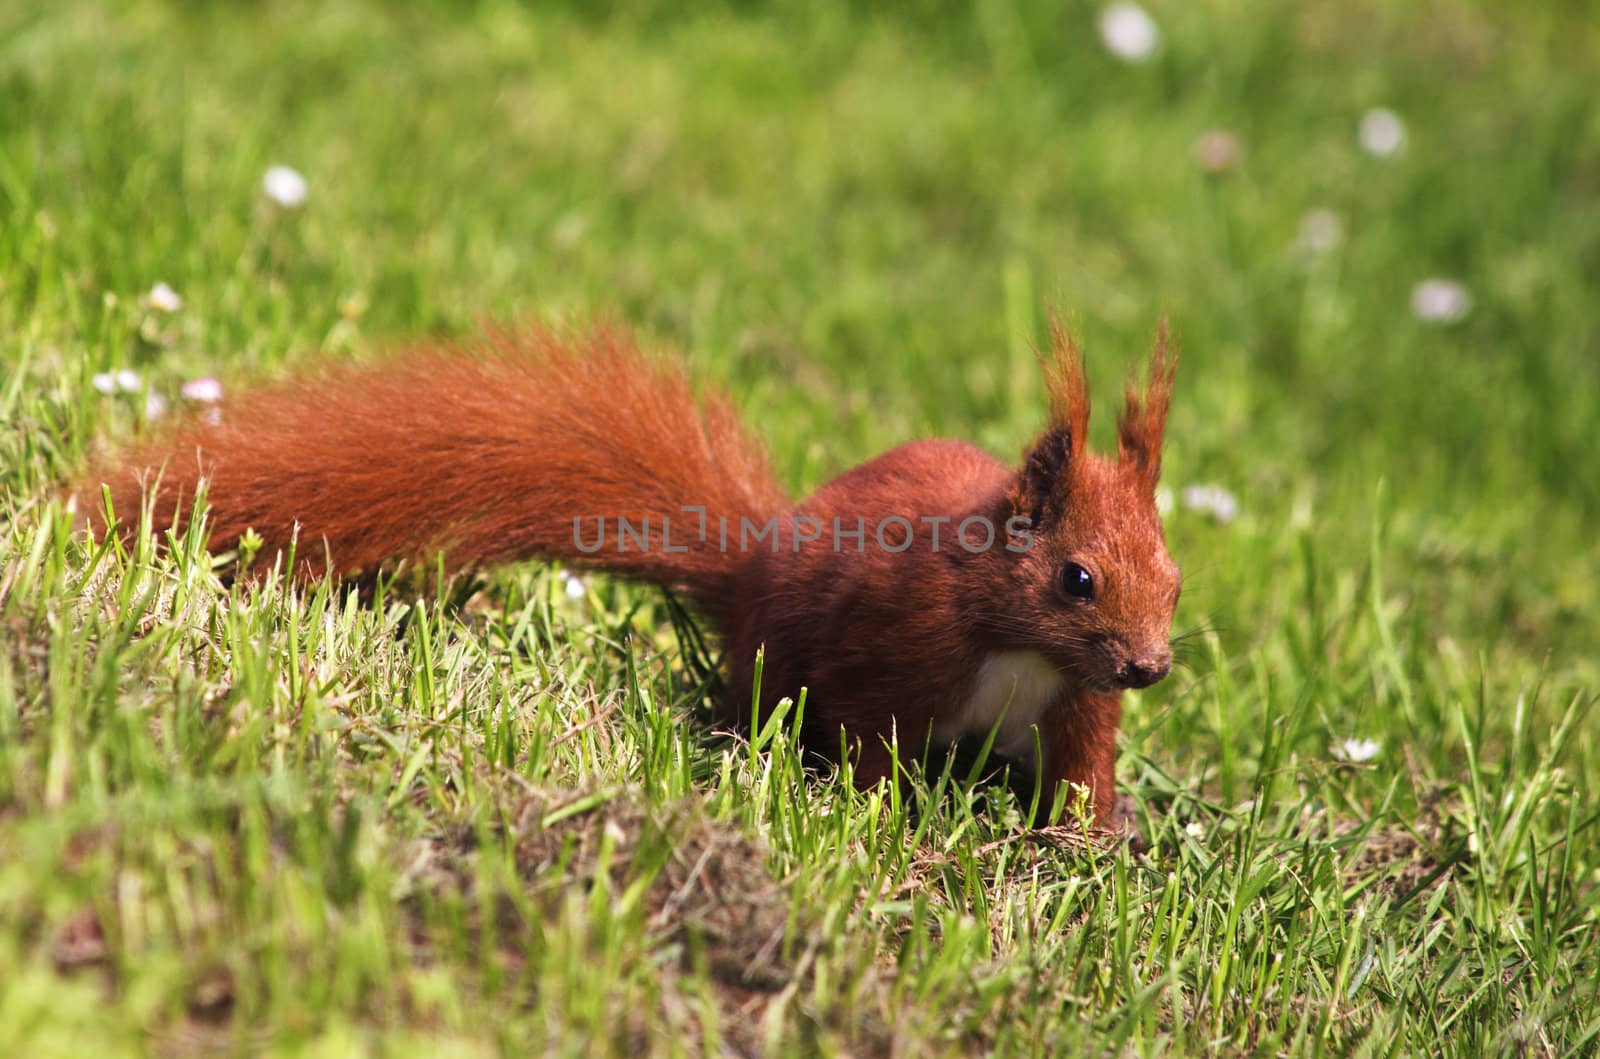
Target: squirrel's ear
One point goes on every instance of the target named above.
(1043, 476)
(1143, 420)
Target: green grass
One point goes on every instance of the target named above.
(284, 818)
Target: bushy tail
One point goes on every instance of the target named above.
(487, 453)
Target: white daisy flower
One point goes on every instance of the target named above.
(1321, 230)
(1212, 500)
(1356, 750)
(1195, 829)
(1218, 151)
(1129, 32)
(285, 186)
(1381, 132)
(574, 584)
(1440, 301)
(124, 380)
(155, 405)
(203, 391)
(164, 298)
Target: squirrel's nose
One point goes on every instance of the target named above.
(1141, 673)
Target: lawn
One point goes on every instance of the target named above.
(487, 817)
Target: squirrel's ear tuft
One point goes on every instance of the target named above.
(1067, 383)
(1143, 420)
(1041, 485)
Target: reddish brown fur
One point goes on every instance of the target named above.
(492, 452)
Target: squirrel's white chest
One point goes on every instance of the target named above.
(1013, 688)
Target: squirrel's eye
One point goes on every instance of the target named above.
(1076, 582)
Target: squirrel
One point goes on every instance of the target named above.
(931, 593)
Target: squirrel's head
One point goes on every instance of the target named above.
(1095, 589)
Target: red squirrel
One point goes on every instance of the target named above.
(932, 593)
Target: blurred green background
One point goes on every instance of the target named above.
(857, 221)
